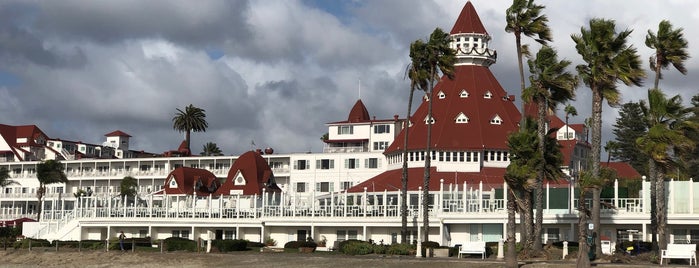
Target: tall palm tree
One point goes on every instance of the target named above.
(418, 75)
(670, 48)
(128, 187)
(438, 58)
(524, 17)
(48, 172)
(608, 60)
(5, 178)
(551, 84)
(586, 183)
(667, 122)
(569, 111)
(191, 119)
(211, 149)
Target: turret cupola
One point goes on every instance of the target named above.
(470, 39)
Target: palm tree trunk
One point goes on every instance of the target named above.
(652, 176)
(187, 139)
(661, 209)
(541, 131)
(528, 226)
(583, 248)
(404, 179)
(428, 163)
(518, 42)
(511, 253)
(595, 154)
(40, 196)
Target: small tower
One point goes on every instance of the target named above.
(470, 39)
(118, 140)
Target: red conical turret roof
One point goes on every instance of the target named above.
(468, 21)
(359, 113)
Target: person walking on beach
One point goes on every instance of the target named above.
(121, 240)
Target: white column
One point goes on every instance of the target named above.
(464, 198)
(504, 195)
(616, 193)
(385, 203)
(548, 196)
(480, 197)
(418, 252)
(671, 204)
(440, 200)
(691, 196)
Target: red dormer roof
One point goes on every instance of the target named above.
(188, 181)
(468, 21)
(255, 175)
(578, 127)
(359, 113)
(117, 133)
(479, 133)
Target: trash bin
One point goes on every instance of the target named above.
(606, 247)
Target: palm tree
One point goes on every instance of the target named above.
(48, 172)
(524, 17)
(211, 149)
(129, 187)
(586, 183)
(570, 111)
(670, 48)
(438, 58)
(5, 178)
(551, 84)
(667, 122)
(191, 119)
(608, 60)
(612, 148)
(418, 76)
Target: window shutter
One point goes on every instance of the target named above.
(331, 187)
(347, 163)
(332, 163)
(318, 164)
(366, 163)
(317, 186)
(296, 164)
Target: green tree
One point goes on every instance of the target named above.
(438, 58)
(670, 48)
(691, 159)
(211, 149)
(626, 130)
(608, 60)
(418, 75)
(569, 111)
(667, 123)
(48, 172)
(550, 84)
(191, 119)
(588, 183)
(129, 187)
(524, 17)
(5, 178)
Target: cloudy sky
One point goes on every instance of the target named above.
(270, 71)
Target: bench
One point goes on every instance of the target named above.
(472, 248)
(680, 251)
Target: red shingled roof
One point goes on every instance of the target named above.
(623, 170)
(188, 179)
(391, 180)
(468, 21)
(117, 133)
(256, 173)
(478, 133)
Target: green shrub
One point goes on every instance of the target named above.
(24, 243)
(230, 245)
(380, 249)
(257, 244)
(293, 244)
(400, 249)
(428, 244)
(356, 247)
(178, 244)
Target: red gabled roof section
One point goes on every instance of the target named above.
(468, 21)
(531, 110)
(623, 170)
(478, 133)
(191, 181)
(391, 180)
(359, 113)
(256, 172)
(117, 133)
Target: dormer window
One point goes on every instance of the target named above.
(462, 118)
(463, 94)
(426, 98)
(441, 95)
(496, 120)
(429, 120)
(488, 95)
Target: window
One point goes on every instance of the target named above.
(325, 187)
(463, 94)
(180, 233)
(142, 233)
(343, 130)
(145, 167)
(380, 145)
(429, 120)
(325, 164)
(352, 163)
(229, 234)
(461, 156)
(441, 156)
(488, 95)
(302, 164)
(496, 120)
(346, 185)
(379, 129)
(300, 187)
(372, 163)
(461, 118)
(343, 235)
(441, 95)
